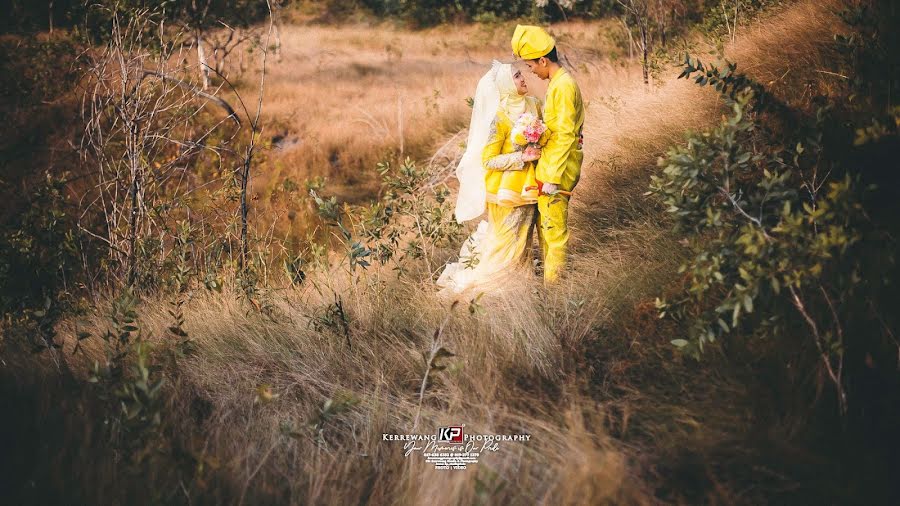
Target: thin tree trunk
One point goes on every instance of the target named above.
(835, 375)
(644, 46)
(245, 182)
(562, 10)
(254, 130)
(201, 60)
(727, 24)
(734, 32)
(277, 42)
(624, 21)
(400, 123)
(134, 162)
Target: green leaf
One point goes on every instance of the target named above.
(722, 324)
(680, 343)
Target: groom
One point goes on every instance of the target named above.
(559, 167)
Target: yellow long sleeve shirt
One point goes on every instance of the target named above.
(561, 158)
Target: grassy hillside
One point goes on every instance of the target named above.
(284, 399)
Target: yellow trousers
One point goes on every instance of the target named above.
(554, 233)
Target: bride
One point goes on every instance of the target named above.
(495, 175)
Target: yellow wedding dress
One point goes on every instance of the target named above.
(500, 248)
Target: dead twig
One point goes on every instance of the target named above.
(200, 93)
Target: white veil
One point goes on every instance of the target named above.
(470, 203)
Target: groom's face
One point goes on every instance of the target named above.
(539, 67)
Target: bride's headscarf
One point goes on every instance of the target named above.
(496, 90)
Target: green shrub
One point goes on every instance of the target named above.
(39, 253)
(779, 240)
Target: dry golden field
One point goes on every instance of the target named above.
(339, 100)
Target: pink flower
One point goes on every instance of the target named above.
(530, 127)
(534, 131)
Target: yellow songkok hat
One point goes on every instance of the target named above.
(531, 42)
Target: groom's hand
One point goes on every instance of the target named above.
(549, 189)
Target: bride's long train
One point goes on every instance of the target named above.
(499, 248)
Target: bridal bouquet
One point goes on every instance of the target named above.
(529, 132)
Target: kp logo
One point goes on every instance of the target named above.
(451, 435)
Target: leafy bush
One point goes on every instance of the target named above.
(39, 253)
(34, 71)
(129, 379)
(413, 217)
(776, 228)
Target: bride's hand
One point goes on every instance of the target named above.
(531, 154)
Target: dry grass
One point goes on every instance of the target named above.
(570, 366)
(342, 99)
(514, 372)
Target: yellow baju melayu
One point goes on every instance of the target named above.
(500, 247)
(562, 156)
(560, 164)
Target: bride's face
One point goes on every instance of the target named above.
(519, 79)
